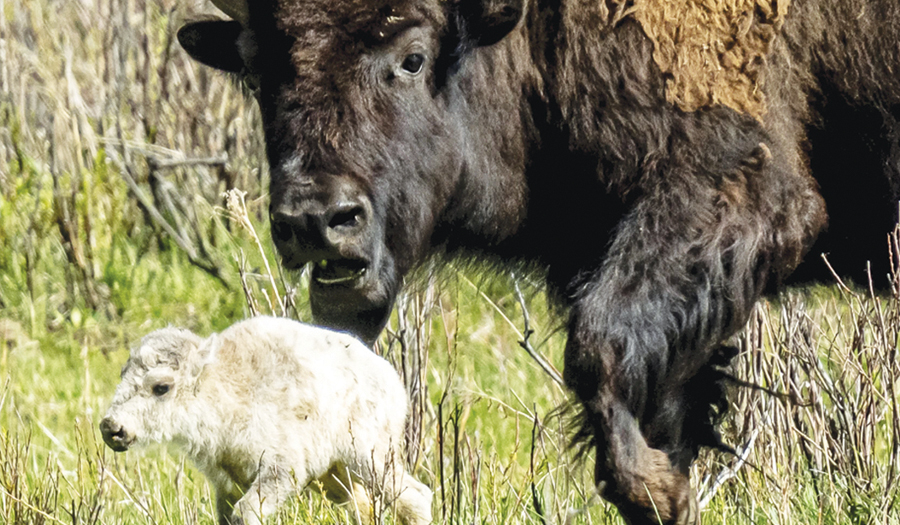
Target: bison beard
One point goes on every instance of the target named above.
(545, 133)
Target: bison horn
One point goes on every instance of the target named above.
(236, 9)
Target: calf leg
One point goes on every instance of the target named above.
(341, 487)
(393, 487)
(412, 499)
(225, 507)
(273, 485)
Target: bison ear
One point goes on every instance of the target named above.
(214, 43)
(205, 354)
(486, 22)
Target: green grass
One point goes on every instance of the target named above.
(488, 423)
(92, 99)
(60, 383)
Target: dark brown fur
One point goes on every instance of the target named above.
(555, 146)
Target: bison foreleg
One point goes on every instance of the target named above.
(681, 275)
(225, 507)
(410, 499)
(639, 479)
(273, 485)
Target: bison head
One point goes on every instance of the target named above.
(157, 380)
(362, 131)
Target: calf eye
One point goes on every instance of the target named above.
(413, 63)
(160, 389)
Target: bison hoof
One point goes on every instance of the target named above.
(685, 512)
(657, 495)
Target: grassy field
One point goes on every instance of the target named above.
(115, 152)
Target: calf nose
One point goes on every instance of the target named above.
(318, 233)
(114, 435)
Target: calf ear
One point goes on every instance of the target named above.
(214, 43)
(204, 354)
(486, 22)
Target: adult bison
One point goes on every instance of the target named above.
(582, 138)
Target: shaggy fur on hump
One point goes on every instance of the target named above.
(710, 51)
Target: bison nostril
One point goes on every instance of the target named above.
(281, 229)
(114, 435)
(110, 428)
(347, 216)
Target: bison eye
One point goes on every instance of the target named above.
(413, 63)
(160, 389)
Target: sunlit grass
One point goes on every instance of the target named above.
(95, 94)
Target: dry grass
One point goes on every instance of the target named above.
(827, 439)
(115, 153)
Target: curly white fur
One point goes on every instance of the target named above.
(267, 407)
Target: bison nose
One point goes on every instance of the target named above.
(318, 233)
(114, 435)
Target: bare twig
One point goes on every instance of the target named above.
(67, 224)
(536, 429)
(252, 304)
(526, 335)
(185, 244)
(844, 288)
(522, 337)
(157, 162)
(31, 507)
(728, 472)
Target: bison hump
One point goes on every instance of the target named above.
(711, 51)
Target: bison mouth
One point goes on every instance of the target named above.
(353, 294)
(339, 272)
(118, 446)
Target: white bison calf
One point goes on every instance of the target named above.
(268, 406)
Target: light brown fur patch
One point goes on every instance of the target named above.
(711, 51)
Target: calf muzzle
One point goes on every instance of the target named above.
(114, 435)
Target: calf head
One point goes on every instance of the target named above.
(363, 128)
(157, 384)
